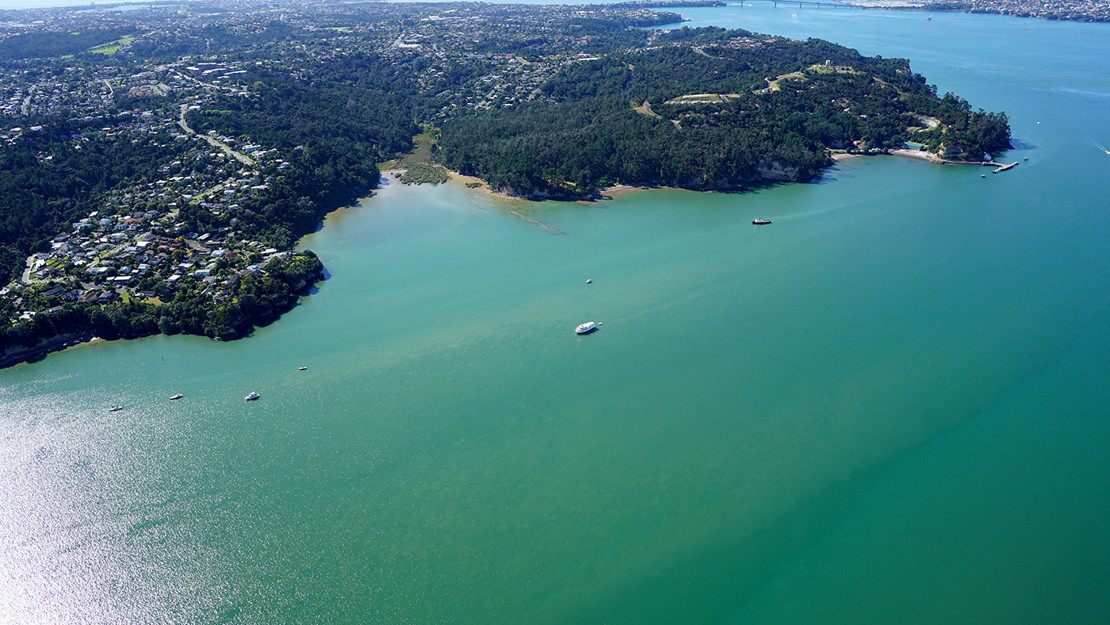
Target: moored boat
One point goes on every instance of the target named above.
(115, 409)
(175, 397)
(759, 221)
(252, 396)
(586, 328)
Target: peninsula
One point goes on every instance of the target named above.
(1066, 10)
(160, 163)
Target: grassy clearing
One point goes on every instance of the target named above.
(820, 68)
(112, 47)
(817, 68)
(773, 85)
(423, 173)
(645, 109)
(417, 165)
(704, 98)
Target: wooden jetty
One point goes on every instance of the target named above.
(1002, 167)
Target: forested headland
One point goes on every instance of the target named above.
(729, 110)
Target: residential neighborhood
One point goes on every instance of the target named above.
(1070, 10)
(136, 246)
(178, 230)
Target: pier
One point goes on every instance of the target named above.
(1002, 167)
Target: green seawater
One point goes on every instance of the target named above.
(888, 406)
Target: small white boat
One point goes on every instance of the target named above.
(252, 396)
(302, 368)
(115, 409)
(586, 328)
(589, 281)
(759, 221)
(176, 397)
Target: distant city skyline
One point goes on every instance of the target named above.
(45, 4)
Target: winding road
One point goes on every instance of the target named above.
(242, 158)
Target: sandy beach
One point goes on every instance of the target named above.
(918, 154)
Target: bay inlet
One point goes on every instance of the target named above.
(887, 406)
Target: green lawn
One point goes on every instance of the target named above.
(112, 46)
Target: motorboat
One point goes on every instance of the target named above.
(252, 396)
(586, 328)
(759, 221)
(115, 409)
(176, 397)
(302, 368)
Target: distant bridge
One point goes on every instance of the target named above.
(808, 3)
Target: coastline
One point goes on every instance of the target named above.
(244, 327)
(933, 158)
(511, 204)
(475, 183)
(604, 193)
(608, 193)
(45, 347)
(920, 155)
(453, 177)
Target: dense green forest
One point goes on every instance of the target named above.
(588, 133)
(32, 45)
